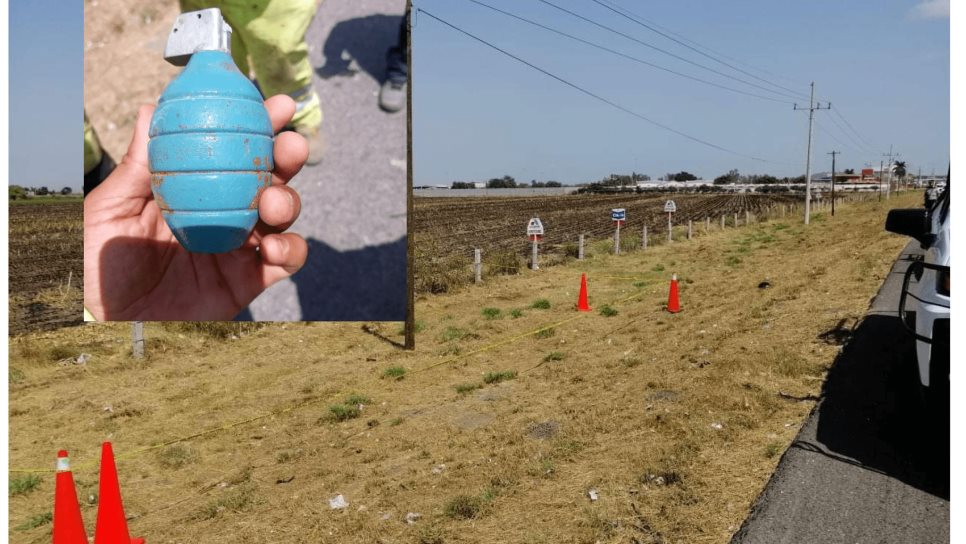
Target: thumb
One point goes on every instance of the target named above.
(131, 178)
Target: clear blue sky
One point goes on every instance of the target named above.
(478, 114)
(47, 93)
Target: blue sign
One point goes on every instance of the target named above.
(618, 214)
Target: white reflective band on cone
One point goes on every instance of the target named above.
(63, 464)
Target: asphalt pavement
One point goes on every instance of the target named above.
(868, 466)
(354, 202)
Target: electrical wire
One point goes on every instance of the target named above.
(593, 95)
(859, 145)
(626, 56)
(840, 142)
(698, 51)
(666, 52)
(654, 27)
(705, 47)
(842, 117)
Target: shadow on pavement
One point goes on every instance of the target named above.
(370, 286)
(872, 415)
(363, 39)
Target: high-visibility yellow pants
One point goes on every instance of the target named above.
(268, 38)
(92, 146)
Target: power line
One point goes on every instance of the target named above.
(666, 52)
(626, 56)
(864, 148)
(698, 51)
(838, 141)
(589, 93)
(639, 19)
(831, 135)
(839, 113)
(696, 44)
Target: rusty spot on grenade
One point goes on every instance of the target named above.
(161, 203)
(257, 161)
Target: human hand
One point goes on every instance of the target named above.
(135, 269)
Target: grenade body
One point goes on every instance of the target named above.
(210, 154)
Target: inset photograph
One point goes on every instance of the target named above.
(245, 160)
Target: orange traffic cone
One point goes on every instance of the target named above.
(111, 525)
(68, 523)
(582, 305)
(673, 303)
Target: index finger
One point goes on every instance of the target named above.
(280, 108)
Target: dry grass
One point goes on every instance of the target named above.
(628, 412)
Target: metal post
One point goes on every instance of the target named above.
(409, 329)
(889, 183)
(137, 334)
(478, 265)
(747, 217)
(580, 247)
(644, 238)
(707, 224)
(689, 229)
(533, 257)
(617, 239)
(880, 181)
(722, 222)
(833, 154)
(670, 228)
(736, 219)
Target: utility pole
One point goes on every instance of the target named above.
(880, 181)
(812, 106)
(833, 154)
(889, 184)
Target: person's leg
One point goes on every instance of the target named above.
(392, 95)
(238, 51)
(273, 33)
(97, 163)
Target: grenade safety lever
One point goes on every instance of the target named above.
(210, 147)
(203, 30)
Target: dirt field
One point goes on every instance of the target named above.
(449, 229)
(673, 421)
(46, 265)
(124, 66)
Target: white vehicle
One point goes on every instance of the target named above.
(928, 294)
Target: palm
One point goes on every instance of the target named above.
(170, 280)
(134, 268)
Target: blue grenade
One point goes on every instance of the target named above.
(210, 147)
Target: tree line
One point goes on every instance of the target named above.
(506, 182)
(616, 181)
(18, 192)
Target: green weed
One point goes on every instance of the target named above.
(497, 377)
(491, 313)
(607, 311)
(22, 485)
(36, 521)
(394, 372)
(467, 387)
